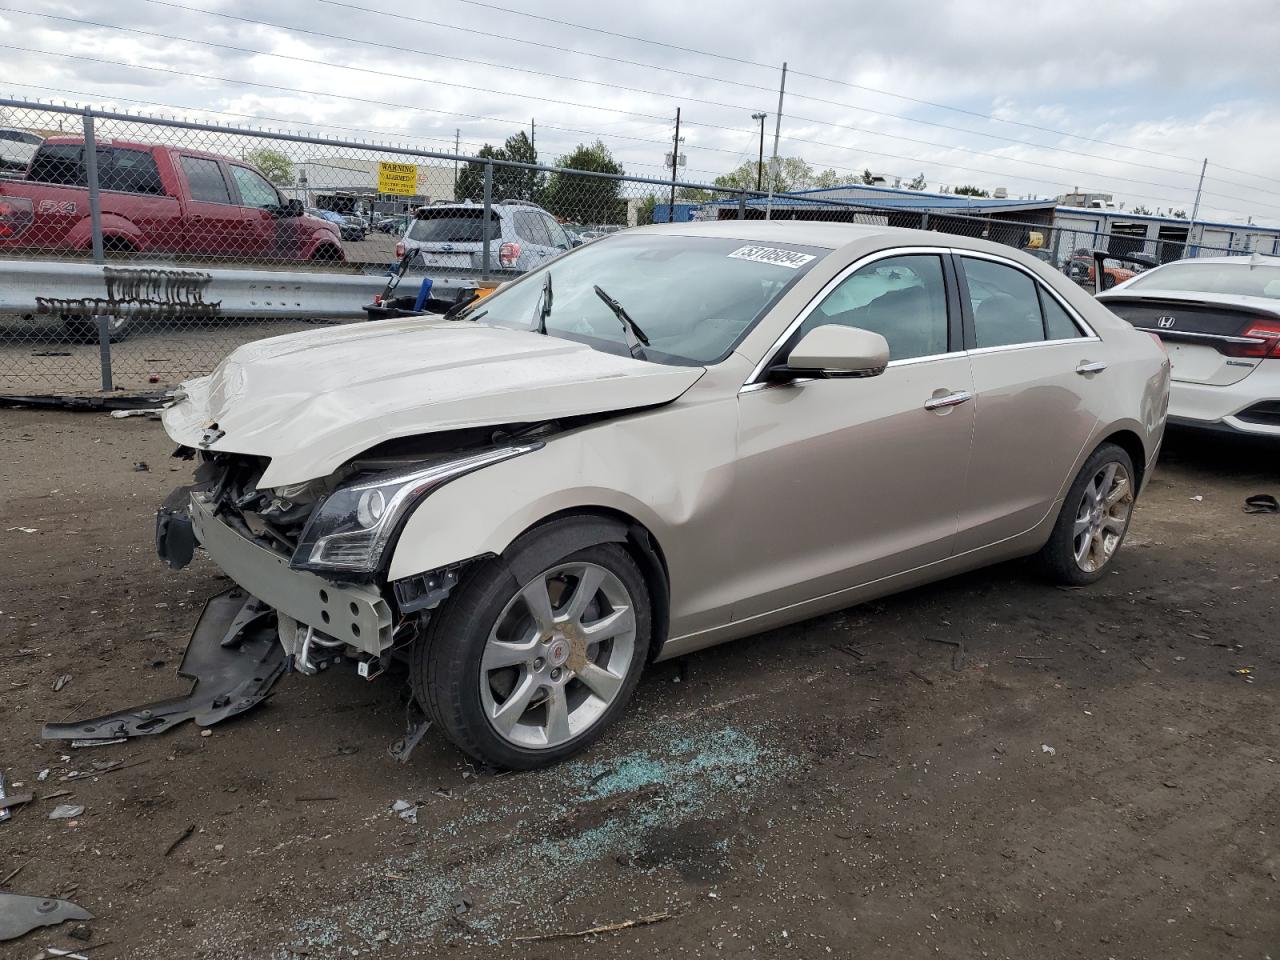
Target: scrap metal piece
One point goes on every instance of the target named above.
(416, 727)
(234, 659)
(20, 915)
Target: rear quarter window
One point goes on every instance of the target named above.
(58, 163)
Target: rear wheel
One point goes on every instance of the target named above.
(1094, 519)
(521, 675)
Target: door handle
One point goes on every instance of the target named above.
(1084, 369)
(950, 400)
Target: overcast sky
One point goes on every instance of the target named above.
(1182, 80)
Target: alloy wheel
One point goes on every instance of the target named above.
(1102, 517)
(558, 655)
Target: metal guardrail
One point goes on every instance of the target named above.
(158, 291)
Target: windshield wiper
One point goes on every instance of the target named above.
(544, 304)
(635, 336)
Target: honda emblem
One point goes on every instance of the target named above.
(1164, 323)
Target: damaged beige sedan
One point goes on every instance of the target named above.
(670, 438)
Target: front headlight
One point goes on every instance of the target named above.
(351, 527)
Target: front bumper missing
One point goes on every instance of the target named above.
(234, 659)
(350, 613)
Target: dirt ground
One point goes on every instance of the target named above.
(1088, 778)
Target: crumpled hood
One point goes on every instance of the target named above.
(311, 401)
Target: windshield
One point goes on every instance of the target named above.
(1240, 279)
(694, 297)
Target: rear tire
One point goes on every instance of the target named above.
(1094, 519)
(519, 691)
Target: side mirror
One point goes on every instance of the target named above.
(833, 350)
(292, 208)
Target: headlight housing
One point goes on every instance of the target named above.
(351, 527)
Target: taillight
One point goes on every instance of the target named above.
(508, 254)
(16, 214)
(1266, 333)
(400, 250)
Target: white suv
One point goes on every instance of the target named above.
(451, 235)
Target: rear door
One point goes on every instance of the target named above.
(132, 188)
(1036, 396)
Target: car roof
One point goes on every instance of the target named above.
(816, 233)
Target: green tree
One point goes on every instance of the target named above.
(968, 190)
(275, 166)
(586, 199)
(471, 177)
(917, 182)
(868, 177)
(785, 174)
(516, 183)
(1140, 210)
(1180, 214)
(644, 214)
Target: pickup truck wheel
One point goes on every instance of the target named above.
(84, 329)
(524, 675)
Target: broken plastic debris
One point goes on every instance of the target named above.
(66, 811)
(406, 811)
(1045, 748)
(1197, 498)
(19, 914)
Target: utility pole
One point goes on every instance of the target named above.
(533, 133)
(675, 159)
(760, 160)
(1195, 208)
(777, 132)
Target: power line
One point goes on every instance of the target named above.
(767, 66)
(700, 76)
(316, 62)
(491, 64)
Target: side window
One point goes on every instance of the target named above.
(524, 230)
(255, 190)
(131, 171)
(1006, 306)
(205, 179)
(1058, 324)
(59, 163)
(904, 299)
(559, 238)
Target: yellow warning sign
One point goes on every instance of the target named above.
(398, 179)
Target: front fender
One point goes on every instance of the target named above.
(668, 469)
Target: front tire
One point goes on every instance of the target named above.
(524, 675)
(1094, 519)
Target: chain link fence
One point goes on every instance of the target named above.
(154, 194)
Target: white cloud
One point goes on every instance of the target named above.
(1161, 75)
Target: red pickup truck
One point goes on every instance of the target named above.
(161, 200)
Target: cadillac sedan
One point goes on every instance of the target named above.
(660, 441)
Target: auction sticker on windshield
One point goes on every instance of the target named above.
(774, 255)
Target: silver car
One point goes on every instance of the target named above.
(663, 440)
(1219, 318)
(522, 236)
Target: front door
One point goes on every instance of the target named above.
(840, 482)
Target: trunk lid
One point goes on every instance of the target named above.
(1206, 339)
(453, 236)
